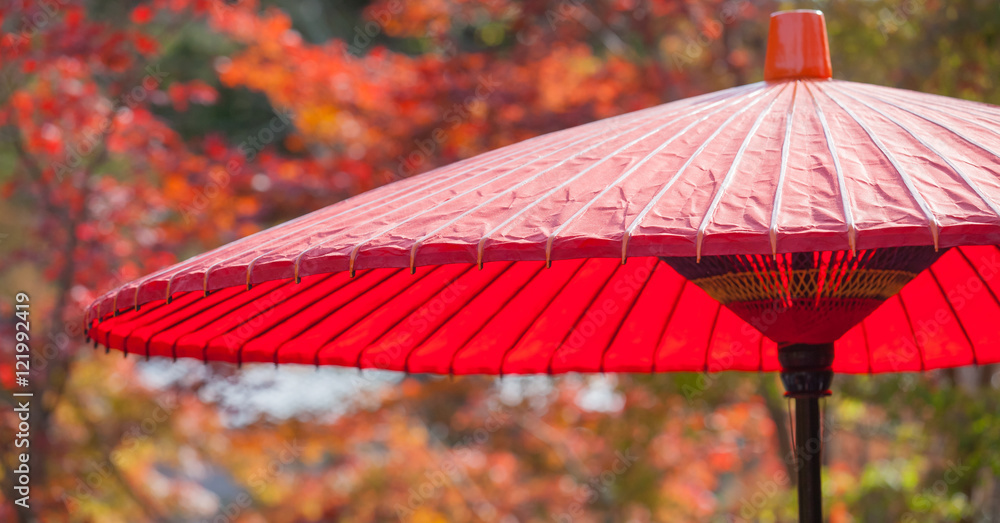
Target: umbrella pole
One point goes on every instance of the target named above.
(808, 450)
(806, 373)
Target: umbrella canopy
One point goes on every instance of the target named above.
(514, 261)
(800, 224)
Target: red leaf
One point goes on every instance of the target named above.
(142, 14)
(73, 17)
(146, 45)
(178, 96)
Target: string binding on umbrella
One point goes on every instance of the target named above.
(810, 297)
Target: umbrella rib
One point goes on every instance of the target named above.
(239, 350)
(930, 101)
(149, 316)
(939, 123)
(482, 242)
(666, 324)
(301, 220)
(512, 158)
(183, 309)
(764, 271)
(978, 275)
(647, 115)
(469, 300)
(583, 312)
(327, 340)
(314, 323)
(330, 339)
(841, 182)
(868, 346)
(144, 313)
(628, 312)
(760, 353)
(335, 310)
(479, 261)
(909, 323)
(396, 323)
(356, 248)
(325, 316)
(246, 302)
(938, 109)
(506, 353)
(631, 170)
(467, 212)
(711, 335)
(932, 221)
(303, 308)
(454, 355)
(972, 346)
(628, 172)
(400, 193)
(782, 171)
(659, 194)
(460, 176)
(259, 312)
(239, 353)
(965, 178)
(727, 180)
(186, 309)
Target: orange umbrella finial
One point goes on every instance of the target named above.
(797, 46)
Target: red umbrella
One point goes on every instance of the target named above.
(853, 225)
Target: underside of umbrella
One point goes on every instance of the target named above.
(578, 315)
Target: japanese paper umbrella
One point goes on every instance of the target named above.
(801, 224)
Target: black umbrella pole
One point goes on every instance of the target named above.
(806, 373)
(808, 457)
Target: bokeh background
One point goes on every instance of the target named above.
(135, 134)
